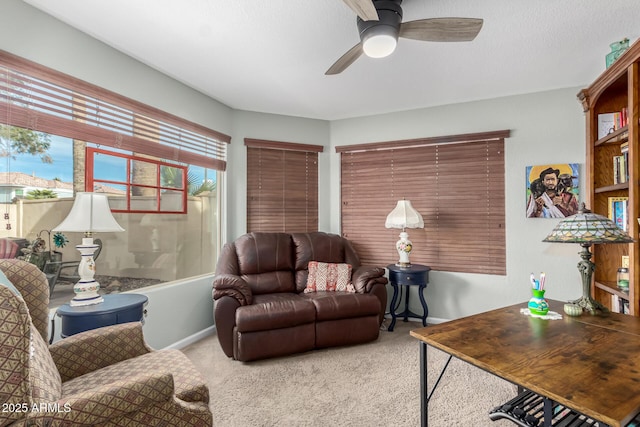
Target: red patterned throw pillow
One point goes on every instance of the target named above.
(329, 277)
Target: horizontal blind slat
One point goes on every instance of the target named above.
(452, 186)
(51, 98)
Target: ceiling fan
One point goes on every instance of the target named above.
(380, 24)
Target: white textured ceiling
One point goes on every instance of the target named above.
(271, 55)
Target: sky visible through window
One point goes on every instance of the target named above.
(61, 151)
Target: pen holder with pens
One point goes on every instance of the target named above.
(537, 303)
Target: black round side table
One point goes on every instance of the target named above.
(415, 275)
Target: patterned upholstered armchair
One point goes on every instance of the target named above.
(104, 377)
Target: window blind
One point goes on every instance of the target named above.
(36, 97)
(455, 182)
(282, 186)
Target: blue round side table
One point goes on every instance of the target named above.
(116, 308)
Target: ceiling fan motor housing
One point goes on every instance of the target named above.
(389, 20)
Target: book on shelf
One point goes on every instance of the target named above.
(610, 122)
(606, 124)
(621, 168)
(619, 305)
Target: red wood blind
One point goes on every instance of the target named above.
(282, 186)
(36, 97)
(457, 186)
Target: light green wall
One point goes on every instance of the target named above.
(546, 127)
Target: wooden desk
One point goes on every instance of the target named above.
(590, 364)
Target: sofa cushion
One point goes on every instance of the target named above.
(329, 277)
(29, 280)
(275, 311)
(188, 383)
(317, 246)
(270, 282)
(46, 384)
(343, 305)
(265, 262)
(264, 252)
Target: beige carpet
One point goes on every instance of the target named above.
(374, 384)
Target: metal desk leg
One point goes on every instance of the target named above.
(425, 396)
(424, 400)
(547, 410)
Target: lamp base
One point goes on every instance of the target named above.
(86, 289)
(75, 302)
(403, 264)
(86, 294)
(586, 269)
(404, 246)
(589, 304)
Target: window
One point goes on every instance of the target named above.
(146, 185)
(455, 182)
(38, 98)
(170, 235)
(282, 186)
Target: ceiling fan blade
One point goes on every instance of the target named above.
(345, 60)
(364, 9)
(441, 29)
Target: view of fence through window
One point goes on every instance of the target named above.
(39, 175)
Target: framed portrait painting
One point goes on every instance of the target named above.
(552, 190)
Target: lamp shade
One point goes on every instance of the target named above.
(404, 216)
(587, 227)
(90, 213)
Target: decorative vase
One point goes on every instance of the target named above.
(537, 303)
(404, 246)
(617, 49)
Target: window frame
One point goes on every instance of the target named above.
(90, 180)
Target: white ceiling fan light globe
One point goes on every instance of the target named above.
(379, 46)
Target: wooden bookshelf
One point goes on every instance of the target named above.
(617, 88)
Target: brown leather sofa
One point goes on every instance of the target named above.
(262, 311)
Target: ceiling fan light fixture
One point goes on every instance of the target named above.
(379, 45)
(379, 38)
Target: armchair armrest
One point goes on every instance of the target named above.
(110, 401)
(233, 286)
(365, 277)
(95, 349)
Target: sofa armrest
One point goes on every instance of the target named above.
(365, 277)
(230, 285)
(98, 348)
(110, 401)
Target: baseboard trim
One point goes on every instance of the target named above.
(192, 338)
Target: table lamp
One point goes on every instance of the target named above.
(404, 216)
(90, 213)
(586, 229)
